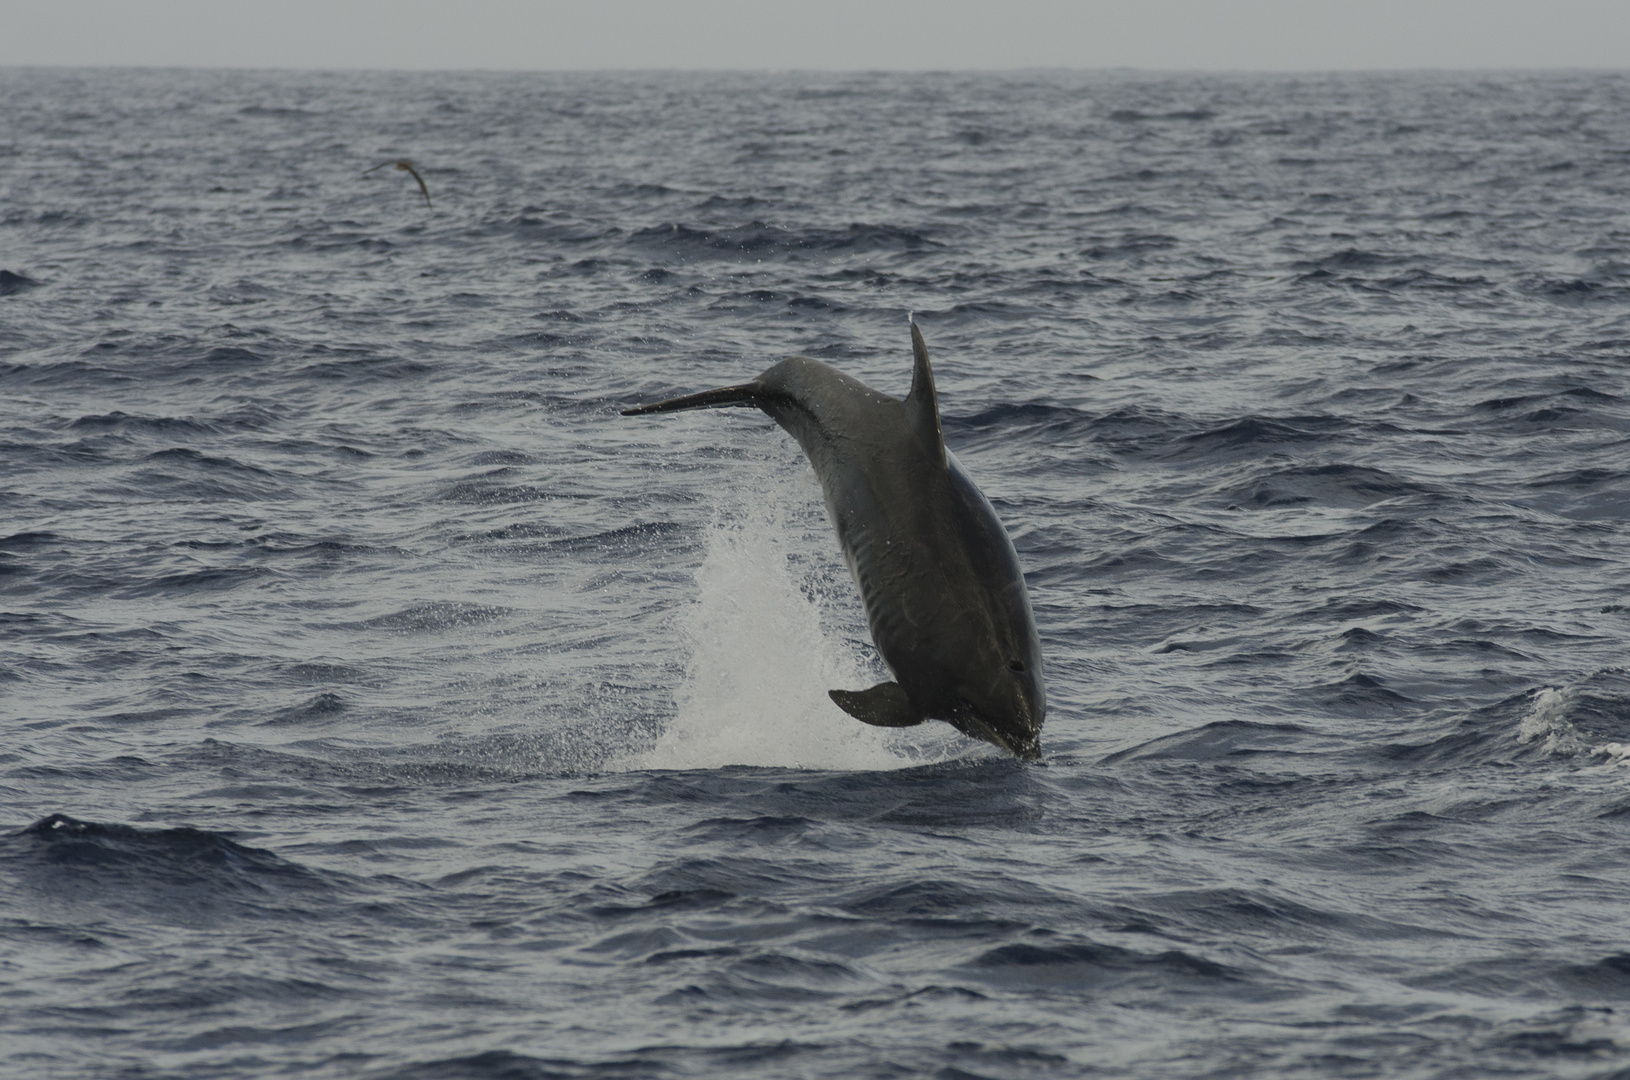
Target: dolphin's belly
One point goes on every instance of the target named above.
(898, 609)
(932, 569)
(866, 482)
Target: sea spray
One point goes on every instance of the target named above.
(768, 640)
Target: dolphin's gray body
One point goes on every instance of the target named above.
(937, 573)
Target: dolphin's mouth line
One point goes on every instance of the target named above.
(1028, 750)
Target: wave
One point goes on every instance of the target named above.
(1345, 486)
(437, 616)
(1220, 740)
(172, 875)
(1350, 259)
(1090, 966)
(11, 284)
(1136, 116)
(1364, 694)
(1590, 719)
(210, 580)
(757, 298)
(757, 239)
(1587, 723)
(183, 473)
(157, 425)
(367, 369)
(23, 541)
(1250, 434)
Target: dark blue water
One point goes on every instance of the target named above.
(378, 702)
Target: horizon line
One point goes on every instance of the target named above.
(1028, 69)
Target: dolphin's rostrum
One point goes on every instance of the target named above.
(937, 573)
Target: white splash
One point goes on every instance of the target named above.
(1616, 753)
(761, 661)
(1547, 719)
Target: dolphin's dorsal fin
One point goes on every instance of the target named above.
(884, 705)
(923, 404)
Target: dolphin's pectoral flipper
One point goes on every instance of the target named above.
(745, 395)
(923, 403)
(884, 705)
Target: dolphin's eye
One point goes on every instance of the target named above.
(1016, 665)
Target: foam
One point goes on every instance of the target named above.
(1547, 723)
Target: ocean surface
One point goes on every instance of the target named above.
(377, 702)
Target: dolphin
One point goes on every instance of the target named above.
(937, 573)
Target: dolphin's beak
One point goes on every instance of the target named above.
(1028, 750)
(1025, 748)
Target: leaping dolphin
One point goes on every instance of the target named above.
(940, 580)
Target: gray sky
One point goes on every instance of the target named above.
(1260, 35)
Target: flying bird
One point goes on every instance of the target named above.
(405, 166)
